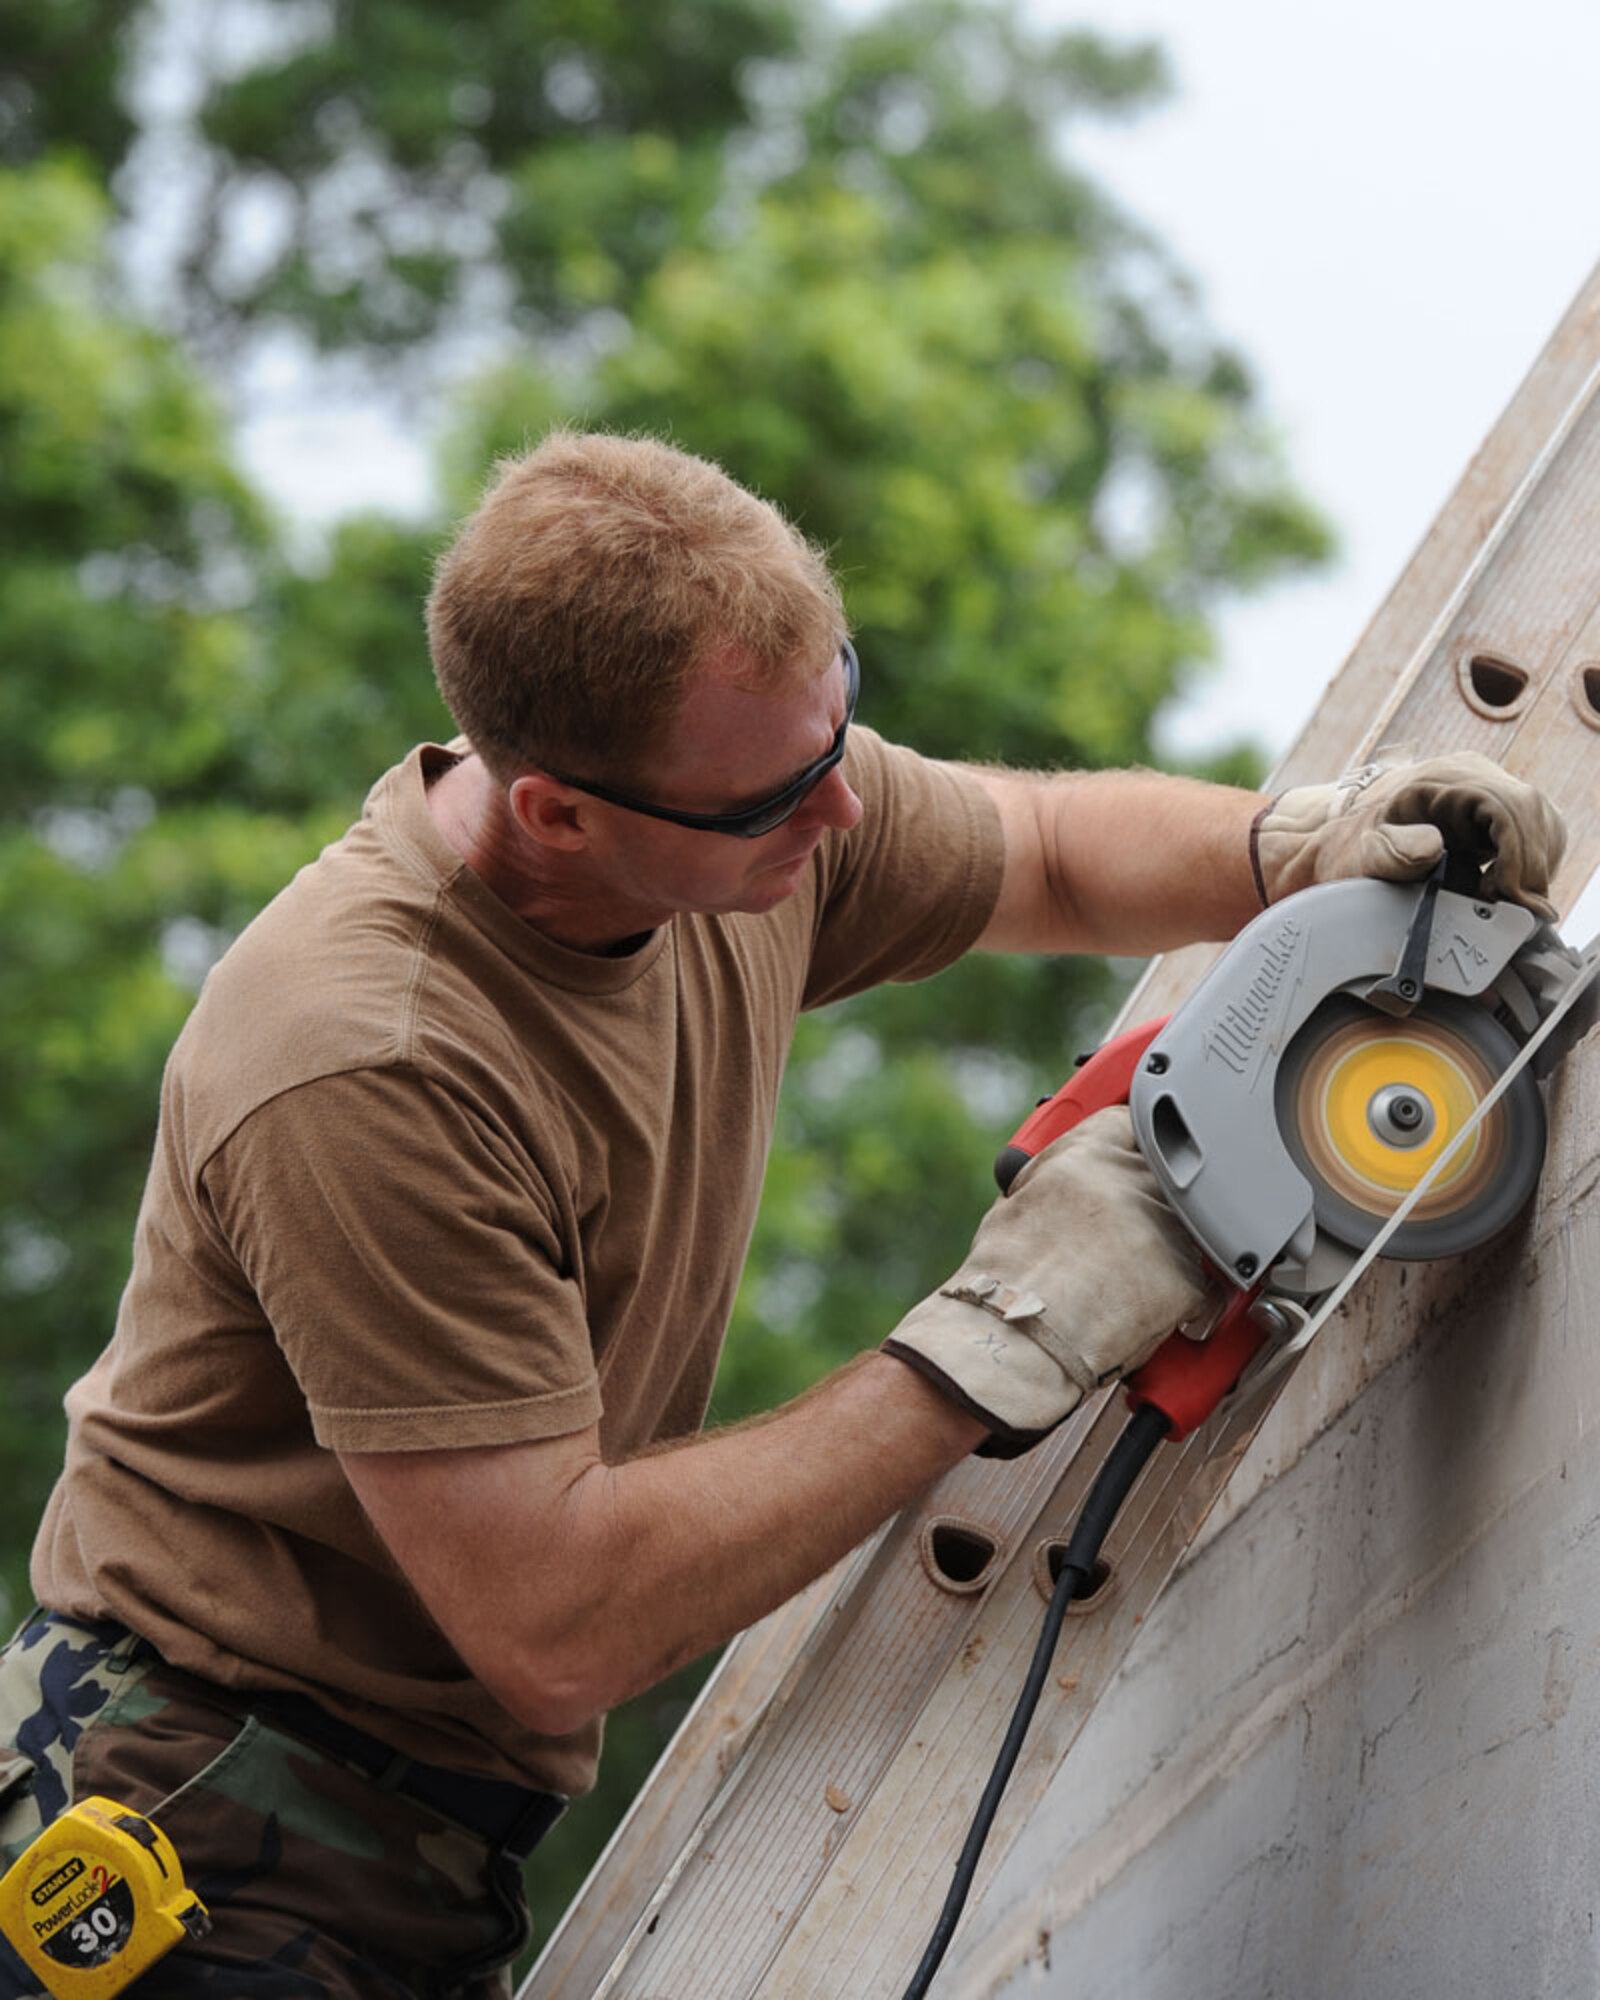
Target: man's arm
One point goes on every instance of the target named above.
(1119, 861)
(1135, 861)
(567, 1584)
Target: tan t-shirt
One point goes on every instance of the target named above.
(425, 1178)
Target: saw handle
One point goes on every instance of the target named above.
(1184, 1379)
(1106, 1078)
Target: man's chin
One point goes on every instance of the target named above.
(775, 883)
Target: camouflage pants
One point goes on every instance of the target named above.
(321, 1884)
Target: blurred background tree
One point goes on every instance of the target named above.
(852, 261)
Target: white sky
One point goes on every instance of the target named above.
(1387, 204)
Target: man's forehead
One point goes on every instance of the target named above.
(745, 733)
(733, 666)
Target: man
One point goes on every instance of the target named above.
(366, 1517)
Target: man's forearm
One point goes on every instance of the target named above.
(1126, 862)
(1169, 858)
(699, 1541)
(568, 1584)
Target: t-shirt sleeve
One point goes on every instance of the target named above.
(408, 1262)
(908, 890)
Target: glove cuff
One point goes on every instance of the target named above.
(980, 1343)
(1255, 852)
(1003, 1441)
(1288, 839)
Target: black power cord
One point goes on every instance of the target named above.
(1124, 1462)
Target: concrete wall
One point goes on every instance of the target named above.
(1356, 1750)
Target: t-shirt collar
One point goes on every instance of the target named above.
(398, 808)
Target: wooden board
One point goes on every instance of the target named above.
(820, 1854)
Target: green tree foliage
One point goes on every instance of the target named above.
(63, 72)
(184, 723)
(125, 534)
(409, 154)
(858, 268)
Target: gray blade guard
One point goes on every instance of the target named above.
(1203, 1099)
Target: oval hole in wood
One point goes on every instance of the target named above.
(1586, 692)
(1048, 1558)
(958, 1555)
(1494, 687)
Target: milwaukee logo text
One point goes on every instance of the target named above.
(1233, 1036)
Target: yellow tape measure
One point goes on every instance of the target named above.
(96, 1900)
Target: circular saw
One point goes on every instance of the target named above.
(1333, 1057)
(1356, 1077)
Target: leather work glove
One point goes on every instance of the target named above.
(1076, 1275)
(1396, 823)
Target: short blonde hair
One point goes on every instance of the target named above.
(595, 575)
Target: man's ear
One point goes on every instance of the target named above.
(549, 812)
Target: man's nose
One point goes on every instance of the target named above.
(831, 803)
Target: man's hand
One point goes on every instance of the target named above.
(1076, 1275)
(1396, 824)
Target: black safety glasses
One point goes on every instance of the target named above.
(749, 822)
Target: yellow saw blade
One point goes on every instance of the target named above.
(1368, 1104)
